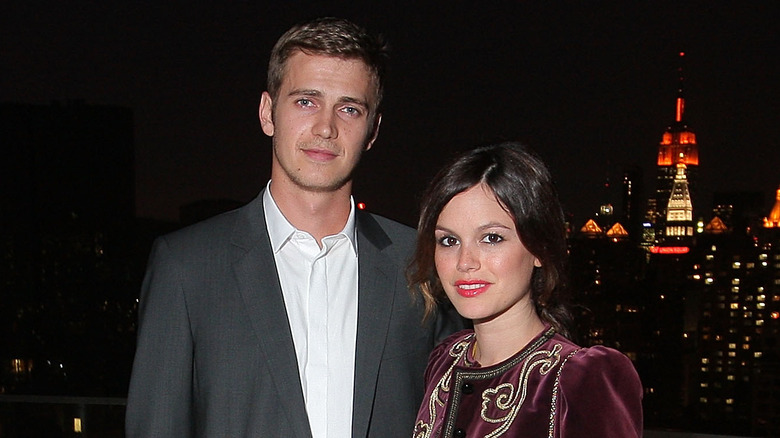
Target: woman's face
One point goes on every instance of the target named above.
(483, 265)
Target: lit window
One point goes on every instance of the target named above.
(746, 346)
(702, 399)
(735, 280)
(762, 256)
(758, 354)
(732, 354)
(759, 322)
(736, 265)
(761, 298)
(735, 289)
(750, 265)
(730, 377)
(704, 385)
(709, 280)
(704, 369)
(735, 306)
(732, 345)
(760, 306)
(705, 360)
(729, 401)
(710, 257)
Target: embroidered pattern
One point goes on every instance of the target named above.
(508, 399)
(501, 405)
(458, 352)
(554, 401)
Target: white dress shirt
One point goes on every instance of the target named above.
(322, 312)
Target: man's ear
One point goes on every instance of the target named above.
(265, 113)
(374, 132)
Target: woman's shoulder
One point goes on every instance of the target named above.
(459, 339)
(598, 365)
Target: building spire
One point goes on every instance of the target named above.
(680, 110)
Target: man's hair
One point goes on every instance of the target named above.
(330, 37)
(523, 187)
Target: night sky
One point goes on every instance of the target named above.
(589, 84)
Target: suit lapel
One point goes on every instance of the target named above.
(256, 275)
(376, 286)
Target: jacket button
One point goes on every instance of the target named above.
(459, 433)
(467, 388)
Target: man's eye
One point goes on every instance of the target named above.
(304, 102)
(492, 238)
(448, 241)
(352, 111)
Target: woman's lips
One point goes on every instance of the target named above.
(471, 288)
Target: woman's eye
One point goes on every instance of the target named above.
(492, 238)
(448, 241)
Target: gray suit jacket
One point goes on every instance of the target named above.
(215, 354)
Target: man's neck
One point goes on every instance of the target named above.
(318, 213)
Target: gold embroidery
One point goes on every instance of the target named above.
(507, 399)
(458, 351)
(554, 401)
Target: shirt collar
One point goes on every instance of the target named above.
(280, 230)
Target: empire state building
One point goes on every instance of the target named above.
(678, 162)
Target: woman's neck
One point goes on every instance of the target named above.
(497, 341)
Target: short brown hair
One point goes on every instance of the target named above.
(523, 186)
(331, 37)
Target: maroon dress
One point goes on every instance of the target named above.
(550, 388)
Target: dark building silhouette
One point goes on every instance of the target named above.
(71, 257)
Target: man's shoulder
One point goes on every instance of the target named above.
(393, 227)
(219, 229)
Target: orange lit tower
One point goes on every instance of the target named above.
(678, 149)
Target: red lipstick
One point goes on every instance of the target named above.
(471, 288)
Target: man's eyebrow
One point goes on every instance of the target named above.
(347, 99)
(305, 92)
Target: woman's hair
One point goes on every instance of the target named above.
(523, 187)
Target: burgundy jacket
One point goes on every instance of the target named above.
(550, 388)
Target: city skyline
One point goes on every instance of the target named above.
(591, 87)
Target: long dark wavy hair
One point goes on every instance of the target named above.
(523, 186)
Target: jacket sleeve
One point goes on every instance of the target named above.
(159, 402)
(599, 394)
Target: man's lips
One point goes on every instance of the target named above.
(471, 288)
(319, 154)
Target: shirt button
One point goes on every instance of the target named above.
(459, 433)
(467, 388)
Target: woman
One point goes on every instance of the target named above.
(491, 240)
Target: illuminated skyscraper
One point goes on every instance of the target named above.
(679, 209)
(677, 150)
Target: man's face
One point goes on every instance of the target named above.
(321, 121)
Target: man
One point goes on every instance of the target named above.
(290, 316)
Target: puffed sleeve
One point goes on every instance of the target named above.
(599, 395)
